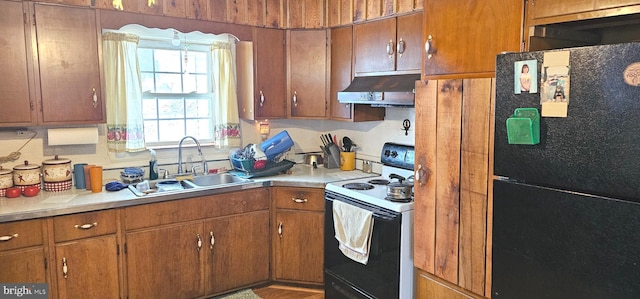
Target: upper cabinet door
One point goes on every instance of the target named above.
(67, 41)
(374, 42)
(270, 76)
(308, 73)
(461, 38)
(18, 107)
(389, 45)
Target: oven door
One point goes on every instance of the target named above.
(379, 278)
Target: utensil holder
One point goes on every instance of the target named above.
(332, 159)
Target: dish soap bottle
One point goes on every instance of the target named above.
(153, 166)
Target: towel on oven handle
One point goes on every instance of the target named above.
(353, 227)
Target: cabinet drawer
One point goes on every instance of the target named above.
(20, 234)
(84, 225)
(308, 199)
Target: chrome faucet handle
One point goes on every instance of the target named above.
(166, 173)
(193, 169)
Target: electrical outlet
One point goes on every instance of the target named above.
(22, 132)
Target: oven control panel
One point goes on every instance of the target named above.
(398, 155)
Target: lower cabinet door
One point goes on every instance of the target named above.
(165, 262)
(238, 251)
(299, 241)
(88, 268)
(23, 265)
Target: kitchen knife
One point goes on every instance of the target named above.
(330, 138)
(324, 142)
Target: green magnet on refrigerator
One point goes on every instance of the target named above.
(523, 127)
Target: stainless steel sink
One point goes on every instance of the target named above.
(165, 185)
(214, 180)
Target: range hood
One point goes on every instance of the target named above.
(381, 91)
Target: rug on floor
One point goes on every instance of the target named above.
(244, 294)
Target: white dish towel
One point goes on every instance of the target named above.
(353, 227)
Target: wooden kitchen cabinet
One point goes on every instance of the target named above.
(452, 195)
(298, 235)
(238, 251)
(389, 45)
(341, 75)
(18, 102)
(169, 250)
(308, 73)
(270, 73)
(461, 38)
(86, 255)
(69, 65)
(22, 252)
(549, 11)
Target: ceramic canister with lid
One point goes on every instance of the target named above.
(56, 174)
(6, 180)
(26, 174)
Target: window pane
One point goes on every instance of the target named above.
(168, 83)
(198, 62)
(151, 131)
(171, 108)
(198, 108)
(145, 56)
(171, 130)
(196, 83)
(148, 83)
(149, 108)
(199, 128)
(168, 61)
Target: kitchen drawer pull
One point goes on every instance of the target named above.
(295, 99)
(8, 238)
(212, 240)
(86, 226)
(198, 242)
(428, 47)
(390, 49)
(261, 99)
(280, 230)
(299, 200)
(65, 269)
(95, 98)
(400, 47)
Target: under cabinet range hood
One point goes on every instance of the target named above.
(381, 91)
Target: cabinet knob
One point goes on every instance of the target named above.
(95, 98)
(400, 47)
(261, 99)
(280, 230)
(428, 47)
(295, 98)
(212, 240)
(198, 242)
(390, 49)
(421, 174)
(65, 269)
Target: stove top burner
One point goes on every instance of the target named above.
(379, 182)
(389, 198)
(358, 186)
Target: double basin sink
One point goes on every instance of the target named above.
(190, 182)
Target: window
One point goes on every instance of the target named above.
(177, 92)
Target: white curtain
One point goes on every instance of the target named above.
(225, 97)
(125, 127)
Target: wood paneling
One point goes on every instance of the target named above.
(274, 13)
(255, 12)
(425, 190)
(359, 10)
(198, 9)
(295, 13)
(374, 9)
(448, 178)
(218, 10)
(175, 8)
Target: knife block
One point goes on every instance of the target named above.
(332, 158)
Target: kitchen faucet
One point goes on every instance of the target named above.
(205, 166)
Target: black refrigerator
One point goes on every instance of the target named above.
(566, 209)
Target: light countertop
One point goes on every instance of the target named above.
(47, 204)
